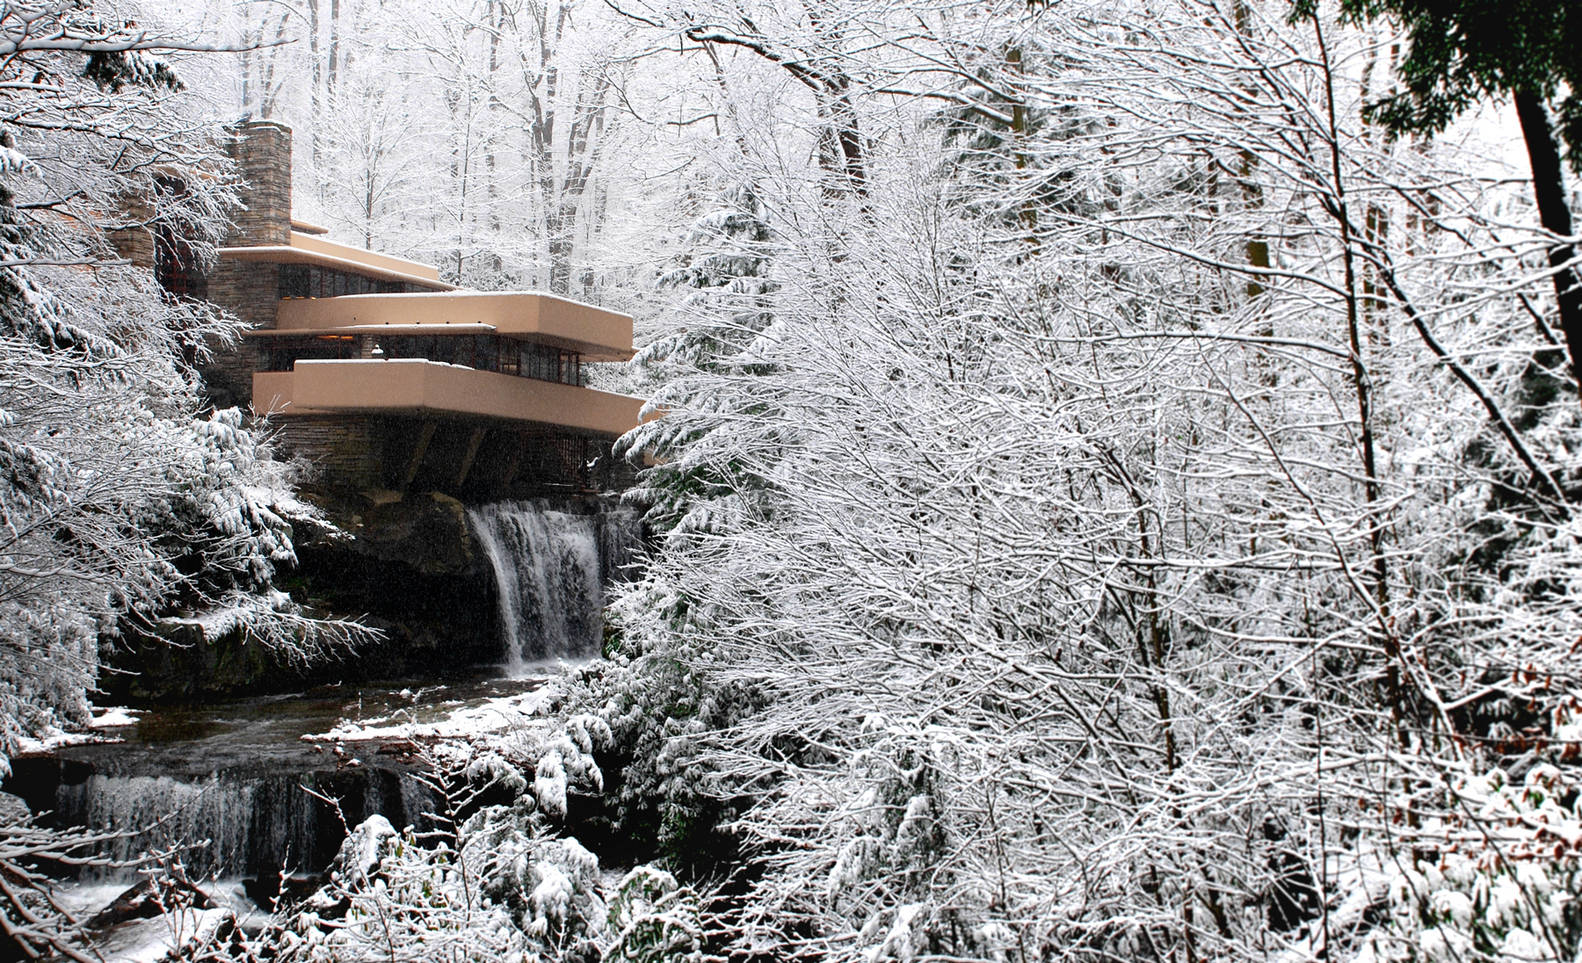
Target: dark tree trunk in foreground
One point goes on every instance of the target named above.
(1555, 216)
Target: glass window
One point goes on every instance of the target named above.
(487, 352)
(311, 281)
(281, 355)
(294, 281)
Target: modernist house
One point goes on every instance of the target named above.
(385, 376)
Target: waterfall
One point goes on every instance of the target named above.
(550, 570)
(239, 824)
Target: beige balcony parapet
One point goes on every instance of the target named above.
(458, 327)
(403, 386)
(305, 249)
(597, 334)
(272, 393)
(318, 245)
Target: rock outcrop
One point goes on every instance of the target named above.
(407, 565)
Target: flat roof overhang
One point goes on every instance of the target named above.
(317, 252)
(418, 387)
(595, 333)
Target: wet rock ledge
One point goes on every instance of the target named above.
(408, 565)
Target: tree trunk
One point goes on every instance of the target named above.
(316, 87)
(1555, 216)
(496, 22)
(332, 67)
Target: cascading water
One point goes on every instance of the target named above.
(550, 569)
(239, 824)
(234, 790)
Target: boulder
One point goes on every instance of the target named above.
(412, 568)
(14, 810)
(149, 898)
(427, 532)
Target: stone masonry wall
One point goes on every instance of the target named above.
(249, 289)
(344, 450)
(228, 374)
(263, 152)
(136, 244)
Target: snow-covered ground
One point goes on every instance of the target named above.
(54, 737)
(150, 940)
(455, 719)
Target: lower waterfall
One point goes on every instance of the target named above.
(230, 823)
(550, 569)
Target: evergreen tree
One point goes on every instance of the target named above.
(702, 367)
(1465, 50)
(724, 284)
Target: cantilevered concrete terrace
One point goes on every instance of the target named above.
(419, 387)
(310, 251)
(385, 376)
(514, 356)
(594, 333)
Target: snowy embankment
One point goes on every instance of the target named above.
(151, 938)
(54, 737)
(455, 720)
(473, 737)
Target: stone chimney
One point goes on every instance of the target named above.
(262, 151)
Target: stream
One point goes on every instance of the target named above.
(253, 790)
(249, 788)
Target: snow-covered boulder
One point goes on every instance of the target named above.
(364, 848)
